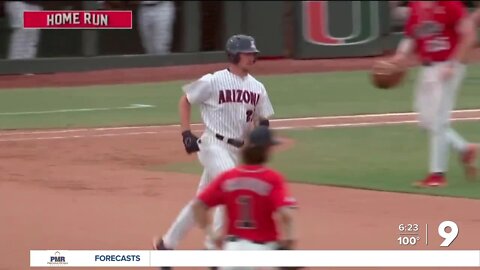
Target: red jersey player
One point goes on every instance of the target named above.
(441, 34)
(251, 193)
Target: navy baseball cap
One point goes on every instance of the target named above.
(262, 136)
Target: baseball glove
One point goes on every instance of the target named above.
(190, 142)
(387, 74)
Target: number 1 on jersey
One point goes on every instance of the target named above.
(245, 220)
(249, 116)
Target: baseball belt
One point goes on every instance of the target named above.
(234, 142)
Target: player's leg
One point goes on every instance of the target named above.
(466, 150)
(32, 36)
(145, 24)
(450, 91)
(162, 27)
(182, 224)
(423, 95)
(17, 48)
(427, 102)
(32, 40)
(441, 131)
(221, 157)
(441, 101)
(215, 159)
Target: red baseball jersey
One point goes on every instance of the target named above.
(251, 194)
(434, 28)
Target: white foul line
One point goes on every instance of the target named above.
(379, 115)
(363, 116)
(131, 106)
(286, 127)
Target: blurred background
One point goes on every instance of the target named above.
(163, 27)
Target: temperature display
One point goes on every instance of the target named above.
(409, 234)
(408, 240)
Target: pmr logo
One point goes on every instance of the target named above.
(317, 22)
(57, 259)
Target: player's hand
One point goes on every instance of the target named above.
(190, 142)
(399, 60)
(390, 65)
(216, 238)
(286, 244)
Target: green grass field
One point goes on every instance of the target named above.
(386, 158)
(292, 95)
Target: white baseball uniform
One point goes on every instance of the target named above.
(155, 19)
(23, 42)
(228, 105)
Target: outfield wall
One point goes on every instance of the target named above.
(283, 29)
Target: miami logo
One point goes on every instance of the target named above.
(317, 23)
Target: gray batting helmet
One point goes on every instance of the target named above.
(237, 44)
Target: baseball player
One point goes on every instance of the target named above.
(23, 42)
(231, 101)
(155, 20)
(252, 194)
(441, 34)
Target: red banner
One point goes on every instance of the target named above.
(80, 19)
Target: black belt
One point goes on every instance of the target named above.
(232, 238)
(234, 142)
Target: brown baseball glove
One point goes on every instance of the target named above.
(387, 74)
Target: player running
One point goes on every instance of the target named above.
(252, 194)
(441, 33)
(231, 101)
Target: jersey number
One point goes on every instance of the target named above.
(249, 116)
(437, 44)
(245, 207)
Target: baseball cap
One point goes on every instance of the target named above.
(262, 136)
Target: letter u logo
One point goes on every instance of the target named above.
(316, 23)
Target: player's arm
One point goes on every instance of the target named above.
(404, 50)
(284, 205)
(196, 92)
(406, 46)
(285, 223)
(468, 37)
(184, 108)
(200, 212)
(264, 110)
(211, 196)
(188, 138)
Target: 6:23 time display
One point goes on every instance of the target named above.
(408, 227)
